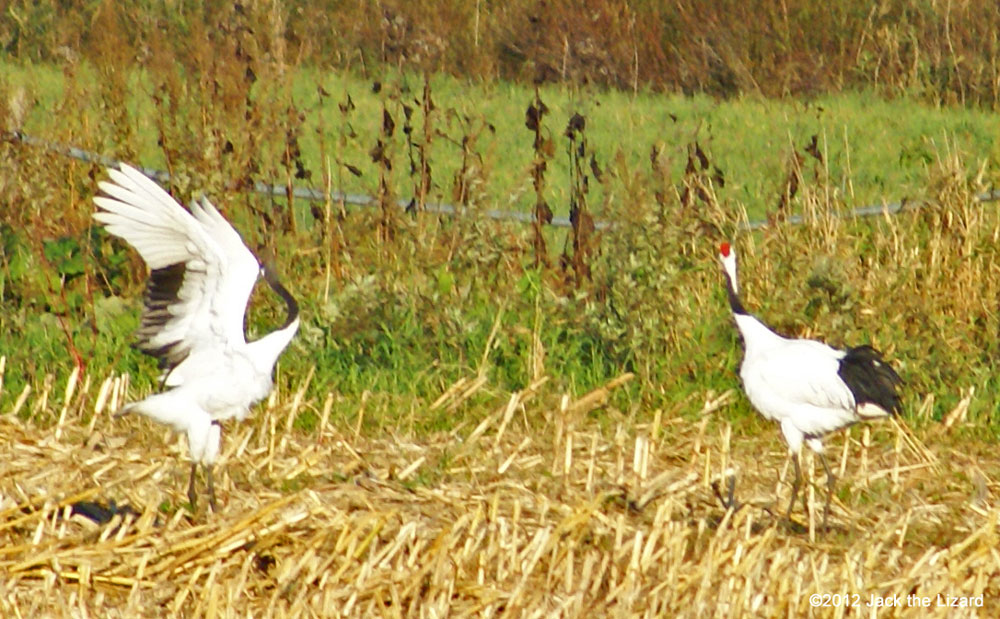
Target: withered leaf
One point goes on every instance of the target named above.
(717, 177)
(347, 105)
(596, 169)
(388, 124)
(542, 212)
(702, 159)
(576, 123)
(548, 147)
(531, 117)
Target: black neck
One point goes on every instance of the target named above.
(291, 305)
(734, 299)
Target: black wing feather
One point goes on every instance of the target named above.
(870, 378)
(162, 291)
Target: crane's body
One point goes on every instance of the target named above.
(216, 387)
(201, 278)
(808, 387)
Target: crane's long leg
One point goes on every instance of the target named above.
(732, 491)
(830, 480)
(211, 488)
(192, 495)
(795, 485)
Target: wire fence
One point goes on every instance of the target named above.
(364, 200)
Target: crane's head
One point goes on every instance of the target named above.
(728, 258)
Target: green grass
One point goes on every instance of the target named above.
(874, 149)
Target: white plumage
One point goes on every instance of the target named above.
(201, 279)
(809, 388)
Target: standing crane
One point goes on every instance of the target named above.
(809, 388)
(201, 277)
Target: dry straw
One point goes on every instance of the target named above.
(534, 512)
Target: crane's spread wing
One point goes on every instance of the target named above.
(242, 269)
(201, 272)
(804, 373)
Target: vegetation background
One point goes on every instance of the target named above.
(424, 334)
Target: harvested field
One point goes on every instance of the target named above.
(536, 511)
(480, 417)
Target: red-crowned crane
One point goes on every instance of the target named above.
(809, 388)
(201, 277)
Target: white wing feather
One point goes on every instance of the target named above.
(242, 270)
(219, 270)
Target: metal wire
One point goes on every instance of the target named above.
(364, 200)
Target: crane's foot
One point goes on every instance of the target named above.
(729, 501)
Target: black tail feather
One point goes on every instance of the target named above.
(870, 378)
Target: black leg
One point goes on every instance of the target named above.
(795, 484)
(730, 501)
(192, 495)
(211, 489)
(830, 479)
(805, 503)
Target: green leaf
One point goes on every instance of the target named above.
(65, 255)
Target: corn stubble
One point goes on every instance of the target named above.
(536, 511)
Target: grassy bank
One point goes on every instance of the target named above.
(872, 149)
